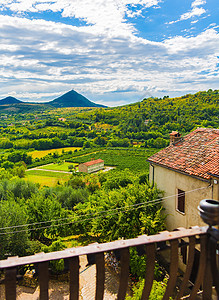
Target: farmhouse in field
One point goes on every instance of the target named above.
(187, 171)
(91, 166)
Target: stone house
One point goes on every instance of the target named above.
(91, 166)
(187, 171)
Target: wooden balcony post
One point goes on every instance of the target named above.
(44, 280)
(201, 270)
(124, 275)
(74, 278)
(149, 275)
(100, 276)
(208, 280)
(173, 269)
(10, 283)
(188, 268)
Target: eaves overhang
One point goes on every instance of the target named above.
(178, 171)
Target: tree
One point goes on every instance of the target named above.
(57, 266)
(7, 165)
(19, 170)
(70, 168)
(126, 217)
(13, 241)
(40, 210)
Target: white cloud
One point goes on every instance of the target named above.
(104, 15)
(194, 12)
(198, 3)
(48, 58)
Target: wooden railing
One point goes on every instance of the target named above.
(149, 245)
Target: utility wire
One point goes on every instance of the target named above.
(101, 214)
(78, 221)
(104, 211)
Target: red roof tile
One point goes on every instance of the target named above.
(93, 162)
(196, 154)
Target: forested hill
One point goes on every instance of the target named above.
(163, 114)
(73, 99)
(9, 100)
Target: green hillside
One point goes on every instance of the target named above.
(162, 114)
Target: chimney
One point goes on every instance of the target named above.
(175, 137)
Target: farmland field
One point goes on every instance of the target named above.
(42, 153)
(46, 178)
(133, 159)
(58, 167)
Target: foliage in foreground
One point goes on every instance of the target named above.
(157, 291)
(102, 207)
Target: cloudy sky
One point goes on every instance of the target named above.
(112, 51)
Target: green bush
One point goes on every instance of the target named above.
(57, 266)
(157, 291)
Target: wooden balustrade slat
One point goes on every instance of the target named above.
(208, 280)
(214, 268)
(201, 269)
(188, 271)
(44, 280)
(100, 276)
(124, 274)
(173, 269)
(149, 275)
(10, 283)
(74, 278)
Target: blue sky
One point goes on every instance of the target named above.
(113, 52)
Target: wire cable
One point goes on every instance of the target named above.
(77, 221)
(104, 211)
(101, 214)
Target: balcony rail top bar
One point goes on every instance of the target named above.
(105, 247)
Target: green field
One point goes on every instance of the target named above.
(46, 178)
(58, 167)
(133, 159)
(42, 153)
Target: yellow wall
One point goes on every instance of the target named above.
(96, 167)
(170, 181)
(92, 168)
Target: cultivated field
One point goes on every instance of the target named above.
(47, 178)
(133, 159)
(58, 167)
(42, 153)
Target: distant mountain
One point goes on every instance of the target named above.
(9, 100)
(73, 99)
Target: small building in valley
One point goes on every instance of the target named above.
(187, 171)
(91, 166)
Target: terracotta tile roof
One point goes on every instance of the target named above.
(196, 154)
(93, 162)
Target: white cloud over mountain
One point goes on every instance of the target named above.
(40, 58)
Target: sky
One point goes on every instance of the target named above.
(113, 52)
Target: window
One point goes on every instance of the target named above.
(181, 201)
